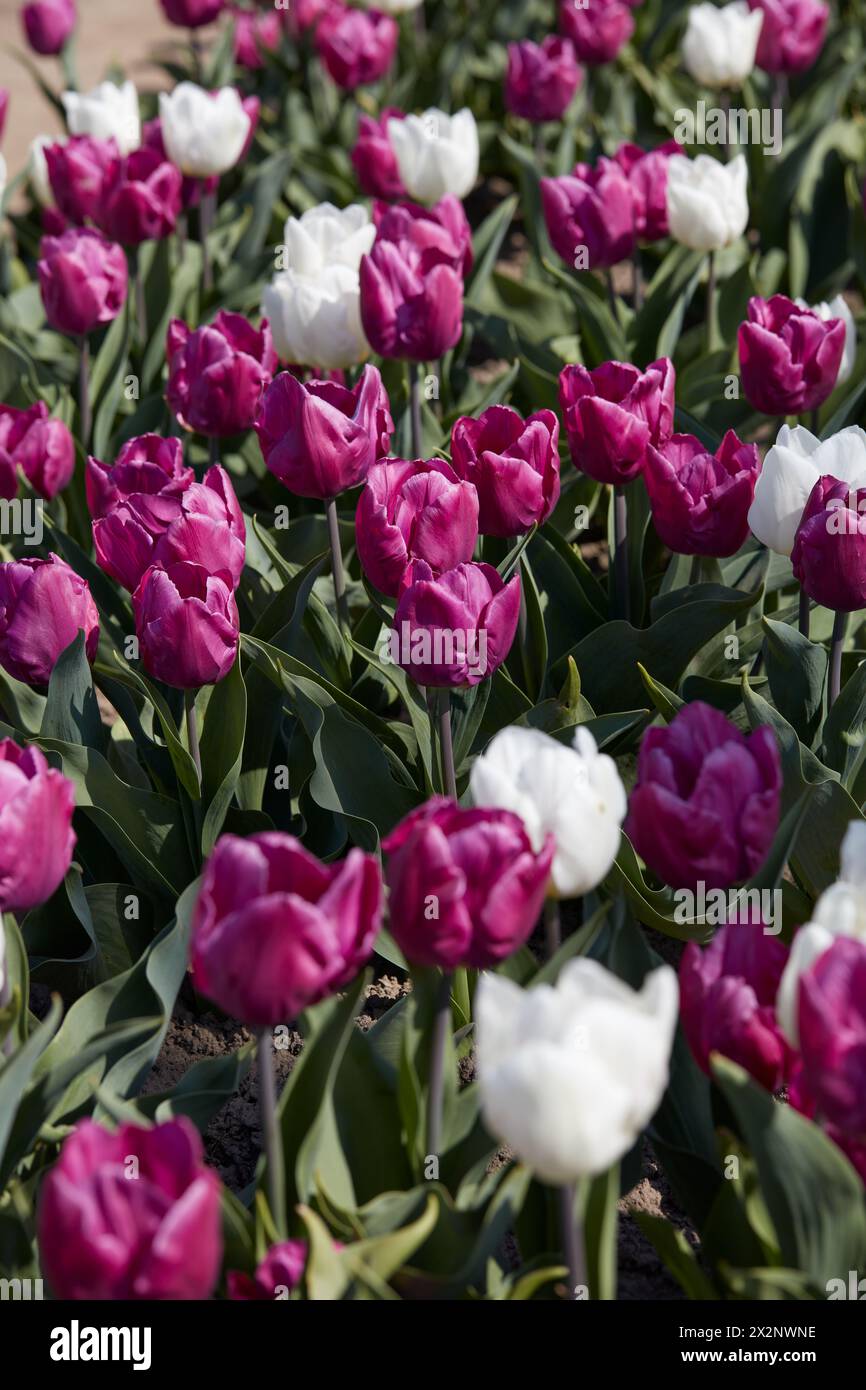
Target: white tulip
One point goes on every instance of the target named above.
(107, 111)
(317, 321)
(839, 911)
(573, 793)
(720, 44)
(327, 236)
(838, 309)
(37, 168)
(392, 6)
(436, 154)
(791, 469)
(707, 203)
(571, 1074)
(203, 133)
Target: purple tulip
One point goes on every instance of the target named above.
(727, 998)
(147, 464)
(457, 629)
(275, 930)
(614, 413)
(411, 302)
(513, 464)
(792, 34)
(38, 444)
(647, 174)
(705, 806)
(83, 279)
(479, 869)
(305, 14)
(373, 159)
(591, 209)
(131, 1215)
(321, 438)
(832, 1027)
(789, 357)
(441, 234)
(43, 604)
(48, 24)
(79, 172)
(356, 47)
(282, 1268)
(829, 555)
(217, 374)
(700, 501)
(187, 625)
(203, 525)
(192, 14)
(598, 30)
(541, 78)
(36, 835)
(255, 35)
(414, 511)
(143, 199)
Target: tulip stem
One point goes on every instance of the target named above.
(441, 1029)
(415, 407)
(711, 301)
(140, 301)
(837, 642)
(207, 211)
(611, 295)
(446, 745)
(552, 927)
(84, 391)
(192, 730)
(337, 563)
(213, 449)
(804, 613)
(620, 554)
(638, 281)
(271, 1136)
(8, 1045)
(813, 423)
(572, 1241)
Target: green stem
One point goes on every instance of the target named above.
(84, 391)
(449, 776)
(552, 927)
(804, 613)
(415, 407)
(572, 1241)
(441, 1029)
(337, 570)
(837, 642)
(192, 730)
(620, 554)
(711, 301)
(272, 1138)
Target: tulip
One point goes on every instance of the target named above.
(414, 511)
(541, 79)
(790, 471)
(192, 14)
(590, 213)
(728, 994)
(465, 887)
(317, 321)
(274, 930)
(79, 170)
(720, 43)
(131, 1215)
(838, 309)
(571, 792)
(354, 47)
(832, 1009)
(204, 132)
(40, 445)
(216, 375)
(327, 236)
(4, 107)
(613, 413)
(276, 1275)
(373, 159)
(789, 357)
(108, 112)
(792, 34)
(48, 24)
(187, 625)
(706, 804)
(302, 15)
(147, 464)
(410, 308)
(321, 439)
(392, 6)
(255, 35)
(441, 233)
(83, 279)
(647, 174)
(36, 835)
(143, 201)
(43, 604)
(707, 204)
(829, 554)
(700, 501)
(598, 31)
(436, 154)
(202, 524)
(513, 464)
(571, 1074)
(455, 630)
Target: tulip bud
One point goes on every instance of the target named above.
(598, 31)
(513, 464)
(204, 132)
(282, 1268)
(613, 413)
(43, 604)
(790, 471)
(829, 554)
(457, 629)
(705, 807)
(414, 511)
(792, 33)
(83, 280)
(255, 35)
(410, 308)
(355, 48)
(464, 887)
(436, 154)
(187, 625)
(720, 43)
(36, 835)
(441, 233)
(700, 501)
(274, 930)
(708, 208)
(832, 1009)
(79, 171)
(147, 464)
(373, 159)
(108, 112)
(216, 375)
(647, 174)
(107, 1231)
(541, 79)
(789, 357)
(192, 14)
(571, 1074)
(39, 445)
(48, 24)
(142, 200)
(590, 208)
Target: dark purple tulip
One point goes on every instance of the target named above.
(591, 209)
(455, 630)
(789, 357)
(832, 1027)
(79, 171)
(217, 374)
(513, 464)
(441, 234)
(646, 171)
(38, 444)
(356, 47)
(43, 604)
(414, 511)
(83, 279)
(829, 555)
(541, 78)
(147, 464)
(374, 160)
(410, 308)
(282, 1268)
(143, 200)
(187, 625)
(597, 28)
(192, 14)
(700, 501)
(792, 34)
(613, 413)
(48, 24)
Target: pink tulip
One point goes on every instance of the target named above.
(38, 444)
(646, 171)
(789, 356)
(792, 34)
(700, 500)
(613, 413)
(457, 629)
(282, 1268)
(356, 47)
(374, 160)
(541, 79)
(48, 24)
(79, 172)
(147, 464)
(255, 35)
(192, 14)
(441, 234)
(598, 29)
(590, 211)
(832, 1027)
(83, 279)
(43, 605)
(187, 625)
(513, 464)
(414, 511)
(36, 835)
(217, 374)
(411, 302)
(143, 199)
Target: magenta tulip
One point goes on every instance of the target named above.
(478, 869)
(217, 374)
(147, 464)
(356, 47)
(255, 35)
(187, 625)
(302, 15)
(321, 438)
(513, 464)
(541, 78)
(646, 171)
(792, 34)
(614, 413)
(597, 30)
(705, 806)
(700, 501)
(83, 279)
(4, 108)
(43, 605)
(590, 211)
(441, 234)
(48, 24)
(39, 445)
(79, 171)
(411, 302)
(414, 511)
(373, 159)
(829, 555)
(281, 1270)
(727, 997)
(36, 835)
(457, 629)
(192, 14)
(275, 930)
(832, 1027)
(131, 1215)
(143, 199)
(789, 357)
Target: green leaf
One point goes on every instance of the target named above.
(222, 746)
(71, 710)
(797, 672)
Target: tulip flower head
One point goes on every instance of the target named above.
(708, 207)
(832, 1027)
(541, 78)
(789, 357)
(39, 445)
(192, 14)
(147, 464)
(700, 500)
(355, 47)
(187, 625)
(829, 554)
(792, 34)
(590, 215)
(36, 835)
(614, 413)
(83, 278)
(456, 629)
(436, 154)
(788, 476)
(838, 308)
(43, 605)
(108, 112)
(410, 511)
(720, 43)
(48, 24)
(647, 174)
(411, 301)
(217, 373)
(598, 30)
(512, 463)
(440, 233)
(373, 158)
(281, 1270)
(79, 171)
(204, 132)
(142, 199)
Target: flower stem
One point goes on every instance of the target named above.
(711, 301)
(572, 1240)
(271, 1136)
(441, 1028)
(140, 301)
(620, 554)
(7, 1047)
(337, 570)
(192, 730)
(552, 927)
(804, 613)
(611, 295)
(638, 281)
(415, 407)
(84, 390)
(449, 777)
(837, 642)
(813, 422)
(207, 211)
(213, 448)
